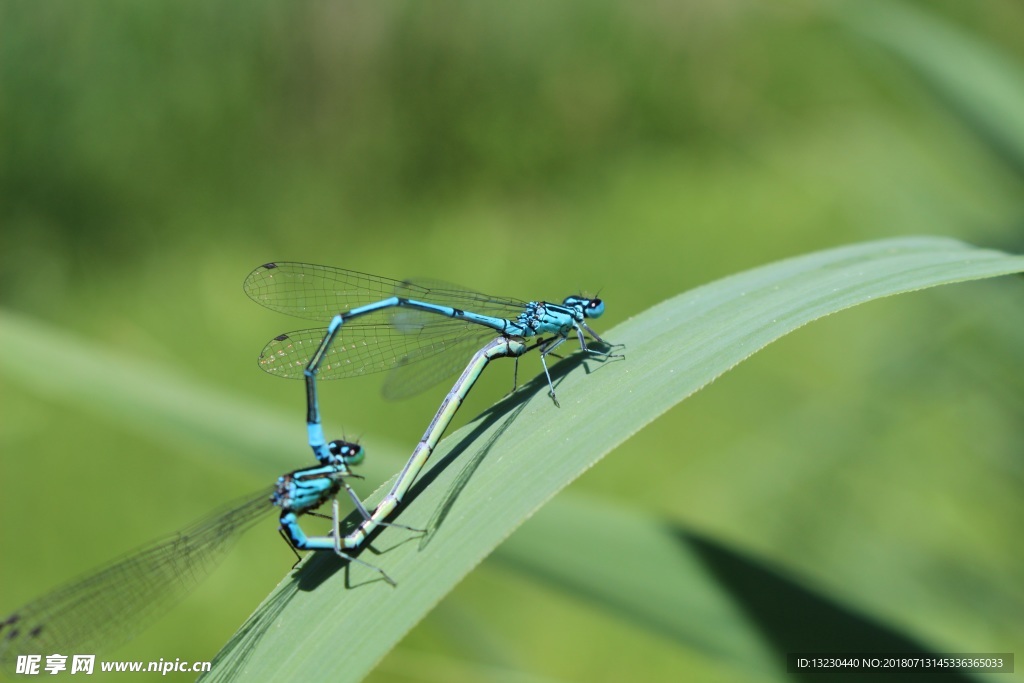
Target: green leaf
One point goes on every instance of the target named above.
(682, 585)
(639, 568)
(154, 401)
(329, 620)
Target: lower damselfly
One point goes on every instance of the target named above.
(110, 606)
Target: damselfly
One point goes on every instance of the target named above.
(110, 606)
(389, 324)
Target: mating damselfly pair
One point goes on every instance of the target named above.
(375, 324)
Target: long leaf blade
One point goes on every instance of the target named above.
(494, 473)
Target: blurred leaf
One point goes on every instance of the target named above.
(690, 588)
(979, 82)
(636, 568)
(155, 401)
(332, 620)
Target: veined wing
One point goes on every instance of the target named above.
(106, 609)
(409, 377)
(316, 292)
(460, 297)
(391, 338)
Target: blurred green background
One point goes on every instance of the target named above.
(152, 154)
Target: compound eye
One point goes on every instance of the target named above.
(594, 308)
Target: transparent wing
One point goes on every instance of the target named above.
(106, 609)
(288, 355)
(408, 377)
(317, 292)
(445, 293)
(383, 340)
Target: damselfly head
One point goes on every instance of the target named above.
(347, 452)
(592, 308)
